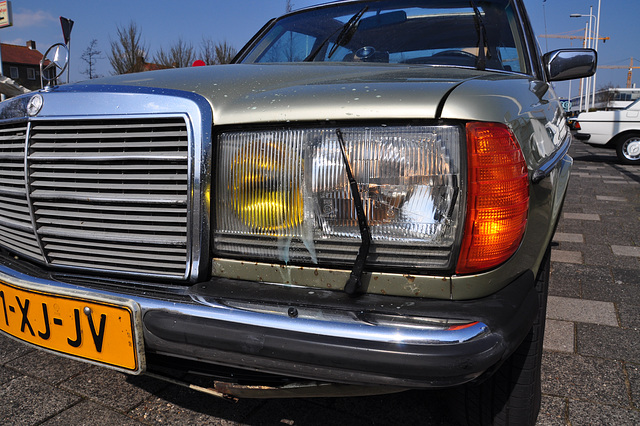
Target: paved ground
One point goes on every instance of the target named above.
(591, 366)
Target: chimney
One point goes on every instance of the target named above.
(31, 45)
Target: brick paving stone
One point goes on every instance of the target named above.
(584, 378)
(581, 216)
(27, 401)
(113, 389)
(48, 367)
(553, 412)
(593, 413)
(559, 336)
(178, 405)
(626, 251)
(11, 349)
(568, 237)
(100, 415)
(580, 310)
(629, 315)
(566, 256)
(7, 374)
(414, 407)
(612, 342)
(633, 372)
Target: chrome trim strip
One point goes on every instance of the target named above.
(547, 167)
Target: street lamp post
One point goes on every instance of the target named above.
(593, 45)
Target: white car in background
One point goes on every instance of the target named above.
(619, 130)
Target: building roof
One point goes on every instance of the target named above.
(20, 55)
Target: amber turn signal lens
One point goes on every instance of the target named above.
(497, 198)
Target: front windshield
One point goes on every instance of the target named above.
(480, 33)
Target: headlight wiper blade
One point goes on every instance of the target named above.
(354, 283)
(346, 32)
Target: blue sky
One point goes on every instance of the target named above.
(162, 22)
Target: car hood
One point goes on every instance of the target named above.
(310, 92)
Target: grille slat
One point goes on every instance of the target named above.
(107, 194)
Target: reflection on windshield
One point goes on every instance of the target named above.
(457, 32)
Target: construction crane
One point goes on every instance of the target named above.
(629, 74)
(573, 37)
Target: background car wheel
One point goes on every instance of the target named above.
(628, 149)
(513, 394)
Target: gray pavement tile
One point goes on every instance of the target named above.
(581, 216)
(553, 411)
(621, 288)
(626, 251)
(112, 388)
(584, 413)
(565, 280)
(568, 237)
(587, 378)
(611, 199)
(559, 336)
(582, 310)
(100, 416)
(179, 405)
(7, 374)
(629, 315)
(48, 367)
(633, 372)
(26, 401)
(566, 256)
(601, 255)
(412, 407)
(612, 342)
(11, 349)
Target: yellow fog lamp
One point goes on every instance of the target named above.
(265, 186)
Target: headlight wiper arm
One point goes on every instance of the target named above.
(482, 37)
(355, 278)
(346, 32)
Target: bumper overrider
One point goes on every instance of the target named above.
(311, 334)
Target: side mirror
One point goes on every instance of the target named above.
(567, 64)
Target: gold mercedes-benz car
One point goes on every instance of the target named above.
(363, 202)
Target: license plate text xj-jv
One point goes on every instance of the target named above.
(92, 330)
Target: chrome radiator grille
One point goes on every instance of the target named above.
(102, 194)
(16, 230)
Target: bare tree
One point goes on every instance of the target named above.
(90, 55)
(224, 52)
(208, 51)
(289, 6)
(180, 55)
(128, 51)
(215, 53)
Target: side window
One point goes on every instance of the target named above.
(31, 74)
(291, 46)
(510, 58)
(14, 72)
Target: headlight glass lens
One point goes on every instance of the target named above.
(283, 195)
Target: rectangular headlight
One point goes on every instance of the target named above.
(284, 195)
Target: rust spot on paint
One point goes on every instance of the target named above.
(410, 278)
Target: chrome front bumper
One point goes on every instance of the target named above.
(316, 334)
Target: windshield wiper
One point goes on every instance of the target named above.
(346, 32)
(482, 37)
(355, 278)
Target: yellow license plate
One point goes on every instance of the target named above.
(98, 331)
